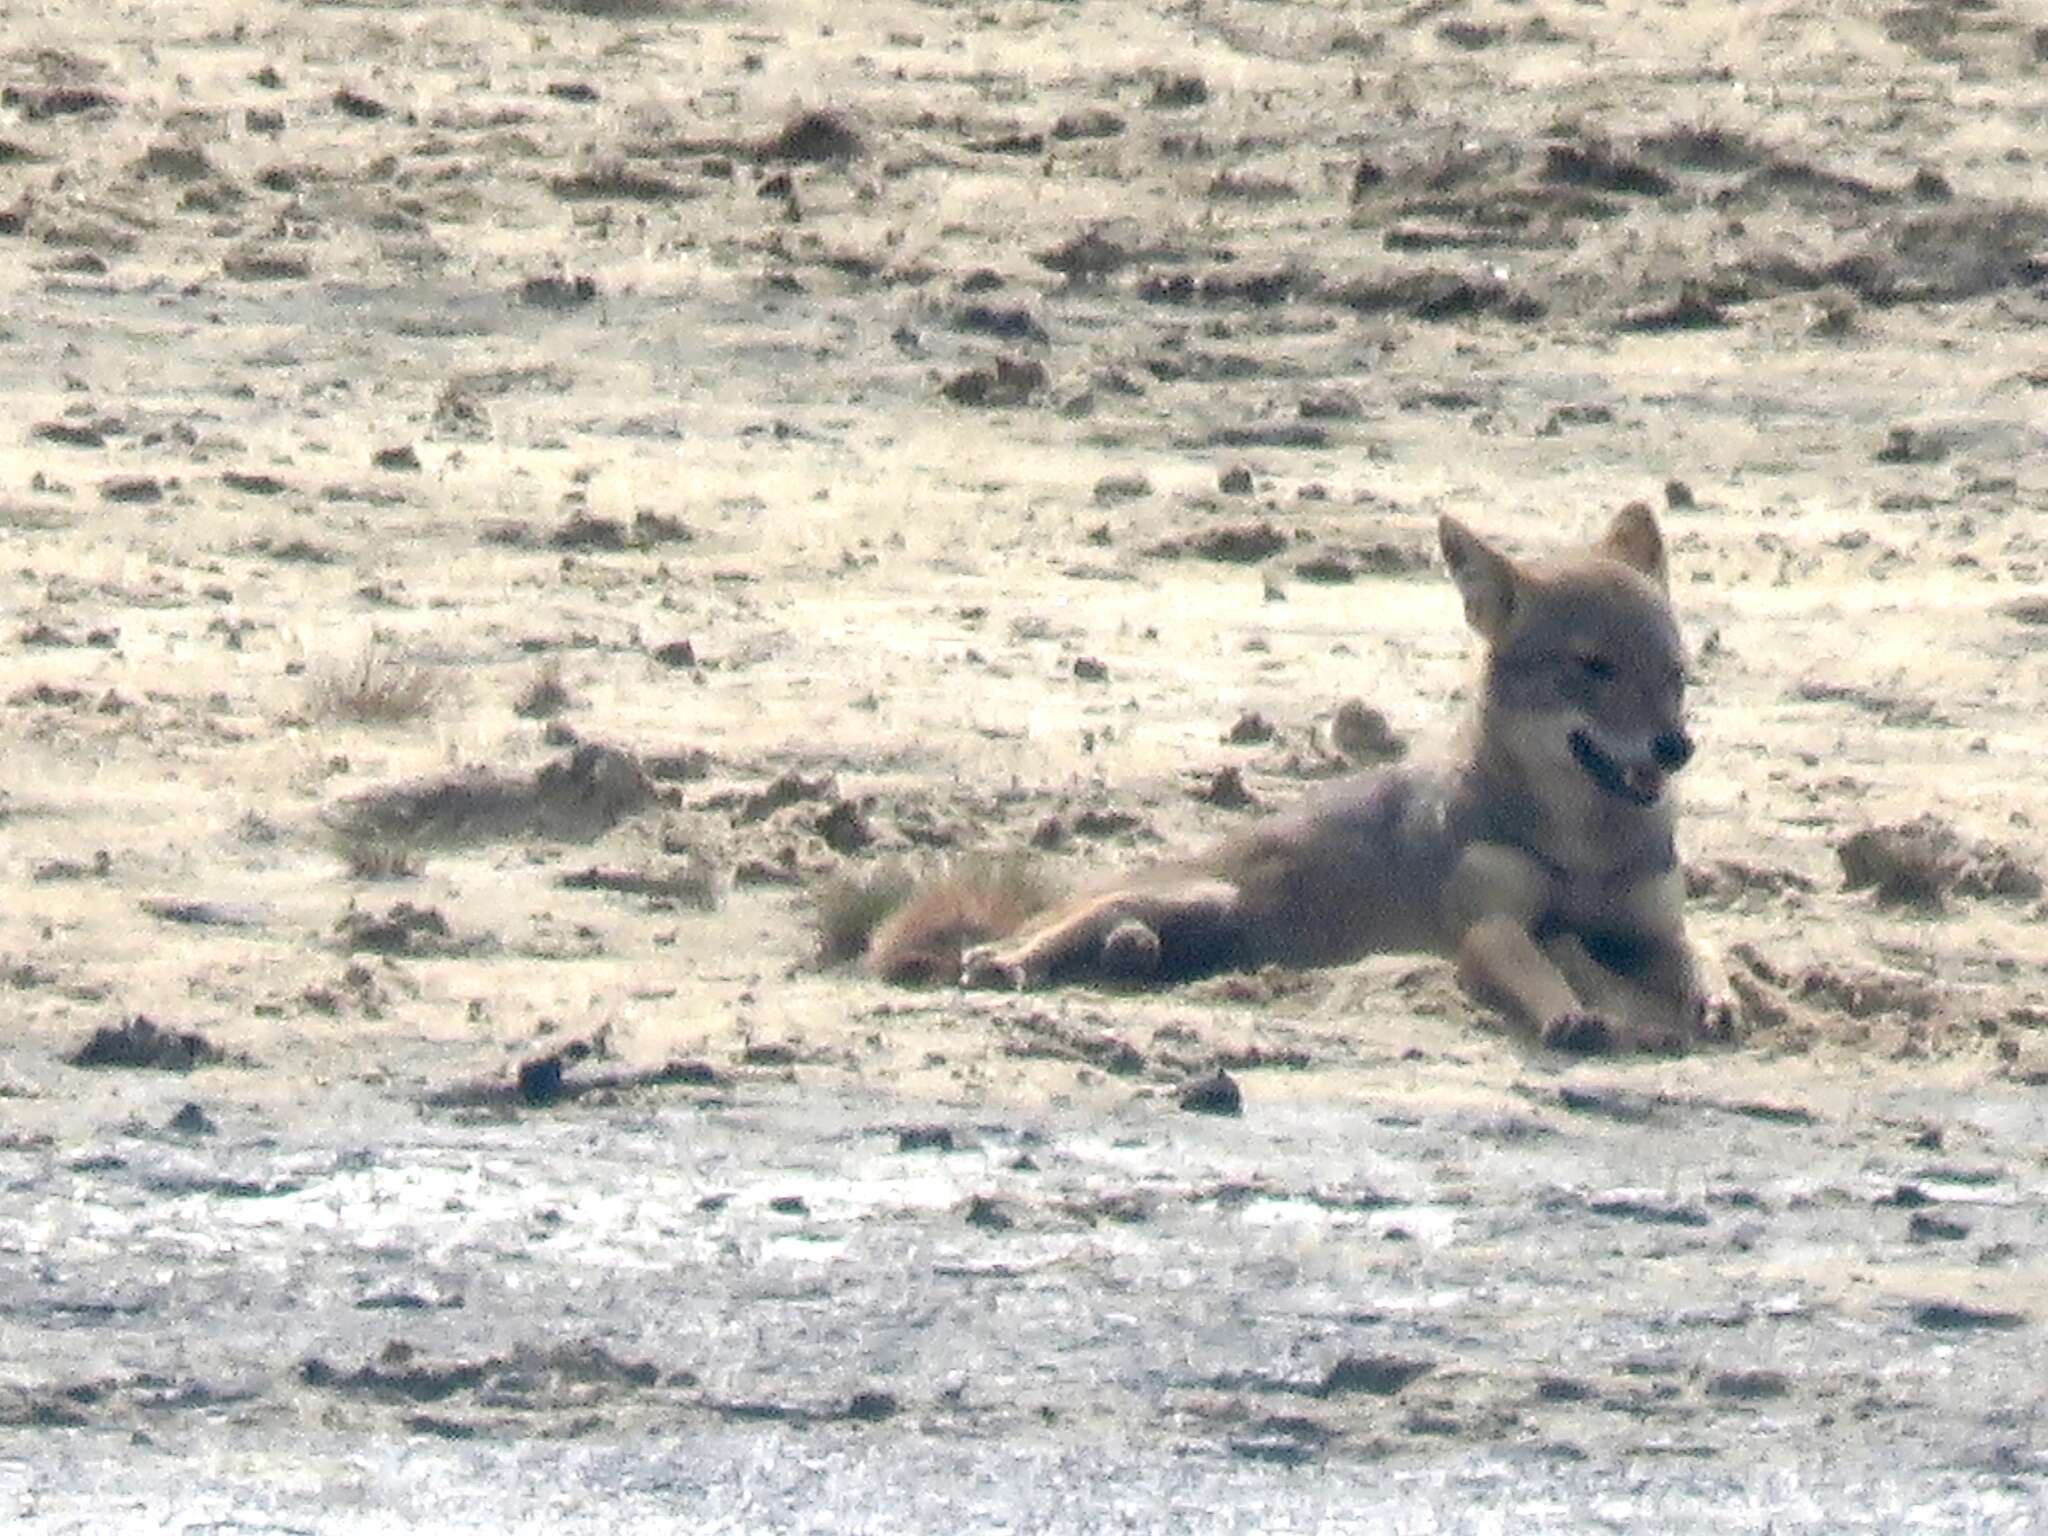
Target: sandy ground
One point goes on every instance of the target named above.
(906, 430)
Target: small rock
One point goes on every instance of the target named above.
(787, 790)
(1749, 1386)
(1678, 496)
(141, 1043)
(1914, 445)
(1331, 405)
(845, 828)
(1693, 310)
(1930, 186)
(1470, 35)
(1010, 383)
(1954, 1317)
(1238, 544)
(1129, 486)
(1917, 863)
(1005, 322)
(1087, 258)
(1049, 835)
(364, 108)
(192, 1121)
(70, 434)
(259, 265)
(1362, 734)
(1251, 729)
(402, 459)
(176, 162)
(676, 653)
(989, 1215)
(540, 1080)
(1179, 90)
(1226, 790)
(1235, 481)
(1089, 123)
(1326, 569)
(872, 1407)
(557, 292)
(132, 488)
(1376, 1375)
(1924, 1228)
(1217, 1094)
(814, 138)
(1088, 670)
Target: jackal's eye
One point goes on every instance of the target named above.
(1598, 668)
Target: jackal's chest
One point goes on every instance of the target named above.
(1633, 899)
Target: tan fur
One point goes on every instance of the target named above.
(923, 940)
(1541, 858)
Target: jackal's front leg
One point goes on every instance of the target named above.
(1500, 963)
(1497, 897)
(1666, 1000)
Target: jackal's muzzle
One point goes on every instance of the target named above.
(1639, 783)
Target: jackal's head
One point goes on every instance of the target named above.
(1585, 673)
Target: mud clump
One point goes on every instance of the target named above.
(142, 1043)
(404, 930)
(787, 790)
(192, 1120)
(1216, 1094)
(1749, 1386)
(525, 1378)
(539, 1082)
(575, 798)
(1375, 1375)
(814, 138)
(1232, 544)
(1224, 789)
(1921, 862)
(687, 881)
(1362, 734)
(1251, 729)
(544, 1081)
(1955, 1317)
(1010, 383)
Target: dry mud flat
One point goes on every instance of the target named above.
(504, 502)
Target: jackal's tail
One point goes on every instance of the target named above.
(912, 931)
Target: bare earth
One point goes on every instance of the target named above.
(844, 408)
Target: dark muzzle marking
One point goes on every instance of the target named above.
(1610, 775)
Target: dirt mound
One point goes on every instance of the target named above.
(575, 798)
(1921, 862)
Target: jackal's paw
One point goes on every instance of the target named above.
(990, 967)
(1581, 1033)
(1717, 1017)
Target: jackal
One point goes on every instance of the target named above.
(1539, 855)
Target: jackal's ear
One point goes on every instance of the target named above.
(1634, 539)
(1487, 579)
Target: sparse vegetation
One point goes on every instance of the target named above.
(546, 696)
(851, 906)
(376, 687)
(370, 855)
(976, 894)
